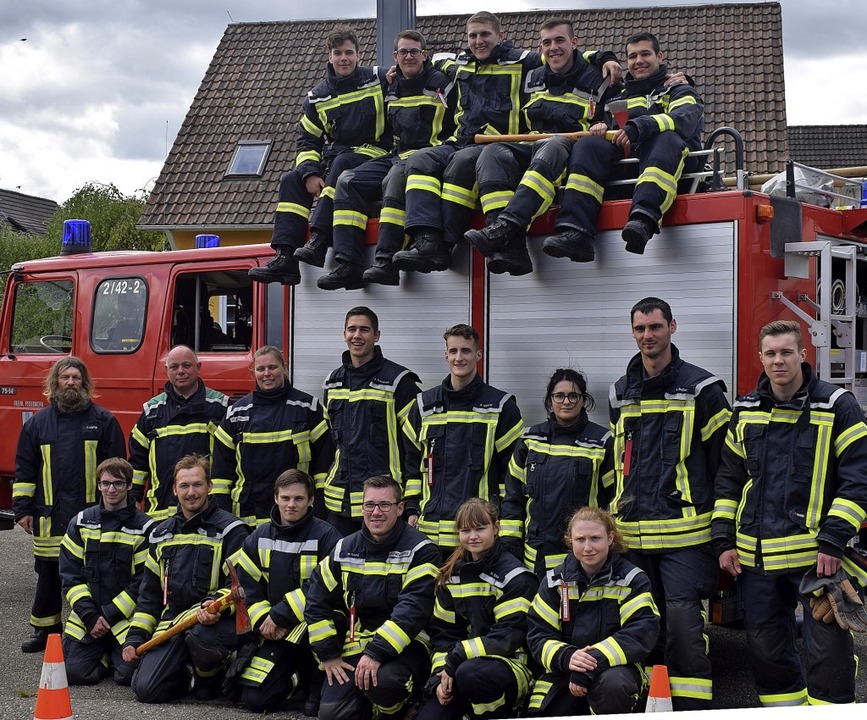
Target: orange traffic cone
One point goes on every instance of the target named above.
(52, 700)
(659, 697)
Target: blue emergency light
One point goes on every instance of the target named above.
(207, 241)
(76, 237)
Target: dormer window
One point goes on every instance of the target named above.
(249, 158)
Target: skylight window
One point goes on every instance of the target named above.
(249, 159)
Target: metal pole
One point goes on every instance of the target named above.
(392, 16)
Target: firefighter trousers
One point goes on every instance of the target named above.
(397, 680)
(769, 603)
(162, 674)
(616, 690)
(355, 197)
(441, 190)
(592, 164)
(680, 580)
(483, 687)
(88, 660)
(294, 203)
(267, 681)
(519, 181)
(48, 599)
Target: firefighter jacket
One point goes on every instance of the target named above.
(275, 565)
(55, 469)
(421, 109)
(481, 611)
(613, 612)
(793, 480)
(365, 408)
(102, 559)
(340, 115)
(655, 108)
(491, 91)
(462, 442)
(554, 470)
(170, 427)
(383, 590)
(185, 565)
(263, 434)
(668, 434)
(571, 101)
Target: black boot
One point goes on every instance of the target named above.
(314, 250)
(382, 272)
(493, 238)
(515, 259)
(572, 243)
(346, 275)
(637, 232)
(38, 639)
(282, 269)
(428, 253)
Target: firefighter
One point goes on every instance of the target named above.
(421, 108)
(185, 569)
(790, 495)
(592, 624)
(669, 422)
(102, 559)
(440, 181)
(379, 581)
(179, 421)
(58, 451)
(367, 400)
(461, 434)
(665, 123)
(272, 429)
(478, 629)
(558, 466)
(274, 566)
(342, 125)
(517, 181)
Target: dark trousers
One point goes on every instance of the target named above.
(397, 681)
(343, 524)
(769, 603)
(48, 600)
(278, 661)
(478, 683)
(680, 580)
(616, 690)
(87, 661)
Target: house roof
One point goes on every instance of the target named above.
(253, 88)
(26, 213)
(829, 146)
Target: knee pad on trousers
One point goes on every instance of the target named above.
(206, 657)
(355, 707)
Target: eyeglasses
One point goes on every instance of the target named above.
(383, 506)
(412, 52)
(116, 484)
(572, 397)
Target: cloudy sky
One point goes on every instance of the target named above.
(96, 91)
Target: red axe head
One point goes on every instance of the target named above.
(620, 110)
(242, 617)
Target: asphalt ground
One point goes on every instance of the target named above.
(20, 673)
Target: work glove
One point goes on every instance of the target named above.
(835, 599)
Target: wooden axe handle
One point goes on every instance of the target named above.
(216, 606)
(532, 137)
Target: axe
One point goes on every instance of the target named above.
(236, 597)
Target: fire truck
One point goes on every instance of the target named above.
(728, 261)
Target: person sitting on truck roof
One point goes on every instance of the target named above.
(421, 110)
(343, 124)
(185, 570)
(274, 428)
(517, 180)
(179, 421)
(665, 123)
(102, 559)
(58, 452)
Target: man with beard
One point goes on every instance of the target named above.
(58, 452)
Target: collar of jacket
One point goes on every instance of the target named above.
(647, 85)
(369, 368)
(198, 396)
(799, 400)
(389, 539)
(579, 64)
(335, 82)
(401, 83)
(573, 430)
(203, 514)
(272, 397)
(124, 512)
(291, 528)
(468, 392)
(488, 560)
(498, 53)
(574, 572)
(638, 385)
